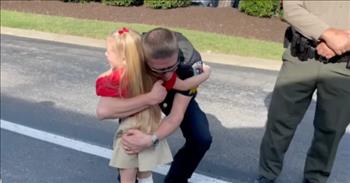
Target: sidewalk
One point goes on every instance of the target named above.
(208, 57)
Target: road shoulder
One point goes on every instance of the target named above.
(234, 60)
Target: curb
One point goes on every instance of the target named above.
(233, 60)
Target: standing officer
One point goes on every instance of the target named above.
(317, 58)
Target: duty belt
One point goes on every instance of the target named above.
(305, 49)
(338, 58)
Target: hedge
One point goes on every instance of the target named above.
(167, 4)
(123, 2)
(260, 8)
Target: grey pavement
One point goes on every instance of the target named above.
(50, 86)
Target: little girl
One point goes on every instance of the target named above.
(128, 78)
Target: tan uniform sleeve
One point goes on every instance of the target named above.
(306, 23)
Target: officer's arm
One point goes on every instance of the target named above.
(308, 24)
(313, 27)
(171, 122)
(134, 141)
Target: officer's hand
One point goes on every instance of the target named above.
(135, 141)
(157, 94)
(324, 50)
(336, 39)
(348, 46)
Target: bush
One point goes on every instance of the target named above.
(166, 4)
(123, 2)
(260, 8)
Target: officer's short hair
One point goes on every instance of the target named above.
(159, 43)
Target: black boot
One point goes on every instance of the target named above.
(174, 180)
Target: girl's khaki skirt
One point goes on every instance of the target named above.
(146, 160)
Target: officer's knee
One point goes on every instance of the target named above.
(203, 143)
(207, 142)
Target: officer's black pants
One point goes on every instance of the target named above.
(195, 129)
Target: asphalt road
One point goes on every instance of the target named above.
(49, 86)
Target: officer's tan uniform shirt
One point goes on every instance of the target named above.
(312, 18)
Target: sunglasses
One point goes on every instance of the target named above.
(165, 70)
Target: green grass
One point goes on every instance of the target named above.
(203, 41)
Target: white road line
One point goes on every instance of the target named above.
(88, 148)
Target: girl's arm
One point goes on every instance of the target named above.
(194, 81)
(113, 107)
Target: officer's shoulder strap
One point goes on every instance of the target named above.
(187, 53)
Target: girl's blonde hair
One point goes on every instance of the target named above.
(134, 78)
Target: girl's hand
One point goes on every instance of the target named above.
(157, 94)
(206, 69)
